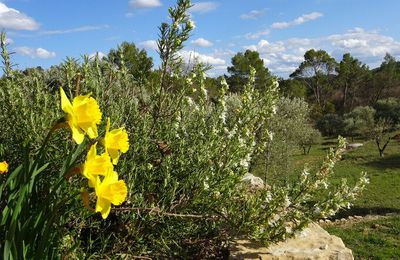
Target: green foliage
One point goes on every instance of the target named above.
(359, 122)
(27, 106)
(379, 197)
(330, 125)
(137, 63)
(240, 71)
(386, 80)
(290, 129)
(35, 203)
(293, 88)
(309, 138)
(352, 76)
(388, 109)
(184, 171)
(7, 66)
(316, 70)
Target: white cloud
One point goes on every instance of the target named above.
(264, 46)
(191, 56)
(203, 7)
(99, 54)
(13, 19)
(363, 43)
(85, 28)
(298, 42)
(283, 57)
(299, 20)
(35, 53)
(9, 40)
(149, 45)
(201, 42)
(253, 14)
(145, 3)
(223, 53)
(257, 35)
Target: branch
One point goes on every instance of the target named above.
(160, 212)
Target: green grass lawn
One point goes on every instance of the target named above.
(381, 196)
(373, 239)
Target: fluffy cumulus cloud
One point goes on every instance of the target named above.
(253, 14)
(35, 53)
(13, 19)
(149, 45)
(192, 56)
(299, 20)
(203, 7)
(201, 42)
(145, 3)
(283, 57)
(364, 44)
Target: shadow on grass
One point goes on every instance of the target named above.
(389, 162)
(357, 211)
(330, 143)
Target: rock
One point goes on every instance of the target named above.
(375, 226)
(353, 146)
(253, 182)
(358, 217)
(312, 243)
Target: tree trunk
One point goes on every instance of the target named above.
(381, 150)
(344, 101)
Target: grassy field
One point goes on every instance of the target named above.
(371, 239)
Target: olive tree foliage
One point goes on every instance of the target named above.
(315, 71)
(359, 122)
(187, 158)
(381, 133)
(240, 71)
(366, 122)
(290, 129)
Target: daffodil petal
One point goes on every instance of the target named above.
(103, 206)
(66, 105)
(78, 135)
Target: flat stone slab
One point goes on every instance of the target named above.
(353, 146)
(312, 243)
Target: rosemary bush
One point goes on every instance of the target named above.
(184, 169)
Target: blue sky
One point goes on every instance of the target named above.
(45, 32)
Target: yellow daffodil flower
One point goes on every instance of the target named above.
(3, 167)
(115, 142)
(83, 115)
(109, 191)
(96, 165)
